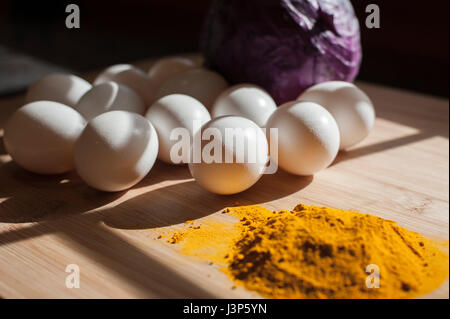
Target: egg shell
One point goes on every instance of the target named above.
(197, 59)
(130, 76)
(351, 108)
(63, 88)
(230, 178)
(246, 100)
(165, 68)
(40, 136)
(109, 96)
(116, 150)
(202, 84)
(308, 137)
(175, 111)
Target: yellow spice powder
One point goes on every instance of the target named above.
(317, 252)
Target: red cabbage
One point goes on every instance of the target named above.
(285, 46)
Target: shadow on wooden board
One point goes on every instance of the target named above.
(62, 205)
(151, 209)
(379, 147)
(104, 247)
(37, 198)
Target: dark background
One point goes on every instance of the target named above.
(410, 50)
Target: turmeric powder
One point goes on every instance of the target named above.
(318, 252)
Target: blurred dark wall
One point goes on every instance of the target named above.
(410, 50)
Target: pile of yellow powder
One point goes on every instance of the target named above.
(317, 252)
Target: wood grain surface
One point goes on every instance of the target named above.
(399, 172)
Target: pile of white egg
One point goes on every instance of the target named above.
(113, 131)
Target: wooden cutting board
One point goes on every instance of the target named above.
(399, 172)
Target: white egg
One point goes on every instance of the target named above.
(246, 100)
(116, 150)
(222, 164)
(40, 136)
(200, 83)
(63, 88)
(109, 96)
(130, 76)
(165, 68)
(197, 59)
(350, 107)
(173, 112)
(308, 137)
